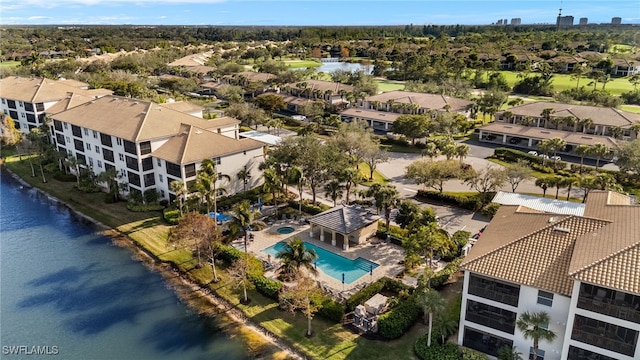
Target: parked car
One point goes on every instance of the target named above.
(534, 153)
(515, 140)
(557, 158)
(544, 156)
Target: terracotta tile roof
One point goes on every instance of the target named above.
(344, 219)
(542, 133)
(540, 259)
(192, 60)
(40, 90)
(194, 144)
(294, 100)
(371, 114)
(183, 106)
(253, 76)
(600, 115)
(129, 119)
(200, 69)
(606, 253)
(425, 101)
(602, 247)
(72, 100)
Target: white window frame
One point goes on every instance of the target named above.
(545, 298)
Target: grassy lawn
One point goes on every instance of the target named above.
(563, 82)
(302, 63)
(389, 85)
(9, 64)
(630, 108)
(377, 176)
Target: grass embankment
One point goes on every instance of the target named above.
(331, 341)
(9, 64)
(365, 172)
(564, 82)
(389, 85)
(297, 63)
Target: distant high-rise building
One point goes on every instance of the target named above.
(499, 22)
(584, 21)
(516, 21)
(564, 20)
(505, 22)
(616, 21)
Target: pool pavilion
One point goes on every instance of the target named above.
(344, 225)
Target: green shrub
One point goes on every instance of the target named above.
(472, 202)
(229, 254)
(60, 176)
(331, 310)
(542, 168)
(171, 216)
(311, 209)
(395, 322)
(470, 354)
(448, 351)
(512, 156)
(443, 275)
(490, 210)
(143, 207)
(382, 284)
(267, 287)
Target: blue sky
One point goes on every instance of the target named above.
(309, 12)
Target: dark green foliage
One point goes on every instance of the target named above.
(60, 176)
(383, 284)
(512, 156)
(443, 275)
(490, 210)
(473, 202)
(395, 322)
(229, 201)
(143, 207)
(229, 254)
(470, 354)
(331, 310)
(310, 209)
(267, 287)
(448, 351)
(631, 97)
(171, 216)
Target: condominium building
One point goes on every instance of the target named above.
(27, 100)
(583, 271)
(150, 145)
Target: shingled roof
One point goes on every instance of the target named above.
(549, 251)
(423, 100)
(344, 219)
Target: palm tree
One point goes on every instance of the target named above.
(585, 124)
(243, 219)
(431, 302)
(272, 184)
(599, 150)
(582, 150)
(556, 144)
(615, 132)
(294, 257)
(534, 326)
(72, 162)
(543, 183)
(558, 182)
(545, 147)
(386, 198)
(208, 167)
(333, 189)
(351, 177)
(569, 182)
(178, 188)
(244, 175)
(546, 115)
(462, 151)
(636, 127)
(296, 176)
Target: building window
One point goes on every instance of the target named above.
(60, 139)
(4, 101)
(57, 125)
(107, 154)
(145, 147)
(149, 180)
(133, 178)
(97, 149)
(68, 140)
(147, 164)
(484, 342)
(130, 147)
(21, 104)
(161, 193)
(66, 126)
(494, 290)
(118, 141)
(13, 114)
(31, 118)
(40, 107)
(99, 164)
(86, 131)
(540, 353)
(77, 132)
(491, 316)
(88, 146)
(95, 134)
(106, 140)
(190, 170)
(90, 161)
(12, 104)
(159, 162)
(217, 160)
(79, 145)
(160, 177)
(132, 163)
(22, 115)
(28, 107)
(174, 169)
(545, 298)
(121, 157)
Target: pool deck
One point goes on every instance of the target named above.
(386, 255)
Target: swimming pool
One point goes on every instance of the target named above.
(283, 230)
(332, 264)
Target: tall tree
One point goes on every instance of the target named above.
(599, 150)
(243, 219)
(239, 273)
(582, 150)
(334, 190)
(433, 174)
(431, 302)
(629, 156)
(517, 173)
(386, 198)
(543, 183)
(373, 156)
(305, 296)
(535, 326)
(244, 175)
(412, 126)
(178, 188)
(272, 184)
(209, 174)
(196, 230)
(294, 257)
(487, 181)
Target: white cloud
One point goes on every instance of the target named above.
(38, 17)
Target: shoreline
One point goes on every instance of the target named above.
(200, 299)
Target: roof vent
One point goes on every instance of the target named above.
(562, 229)
(545, 132)
(198, 132)
(552, 219)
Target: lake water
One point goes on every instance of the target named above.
(72, 293)
(330, 67)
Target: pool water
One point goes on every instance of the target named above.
(285, 230)
(332, 264)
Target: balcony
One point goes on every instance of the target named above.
(605, 335)
(491, 316)
(493, 290)
(609, 302)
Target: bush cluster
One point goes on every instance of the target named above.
(143, 207)
(512, 156)
(443, 275)
(311, 209)
(470, 354)
(395, 322)
(171, 216)
(490, 210)
(250, 195)
(331, 310)
(448, 351)
(60, 176)
(267, 287)
(382, 284)
(229, 254)
(471, 202)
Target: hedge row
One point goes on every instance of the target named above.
(267, 287)
(512, 155)
(229, 254)
(395, 322)
(448, 351)
(144, 207)
(310, 209)
(472, 202)
(443, 275)
(331, 310)
(385, 283)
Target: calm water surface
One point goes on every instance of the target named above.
(68, 289)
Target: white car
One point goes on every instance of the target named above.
(556, 158)
(544, 156)
(534, 153)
